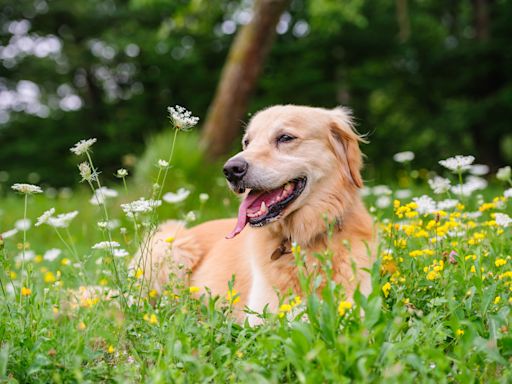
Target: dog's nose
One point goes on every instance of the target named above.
(235, 169)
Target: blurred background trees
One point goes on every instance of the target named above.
(434, 77)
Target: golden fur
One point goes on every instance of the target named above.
(327, 152)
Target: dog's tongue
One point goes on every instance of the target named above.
(242, 214)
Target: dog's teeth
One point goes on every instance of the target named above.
(288, 188)
(263, 208)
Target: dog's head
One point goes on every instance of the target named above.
(294, 158)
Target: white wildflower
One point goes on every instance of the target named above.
(191, 216)
(425, 204)
(403, 157)
(203, 197)
(27, 189)
(9, 233)
(472, 184)
(502, 219)
(181, 118)
(381, 190)
(479, 169)
(110, 225)
(383, 202)
(121, 172)
(101, 194)
(63, 220)
(140, 206)
(23, 224)
(508, 193)
(439, 185)
(106, 245)
(473, 215)
(180, 195)
(25, 256)
(163, 164)
(52, 254)
(86, 172)
(504, 173)
(403, 193)
(447, 204)
(120, 253)
(365, 191)
(43, 219)
(82, 146)
(458, 164)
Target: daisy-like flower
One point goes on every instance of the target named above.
(383, 202)
(381, 190)
(106, 245)
(425, 204)
(63, 220)
(83, 146)
(439, 185)
(173, 198)
(102, 194)
(447, 204)
(43, 219)
(458, 164)
(403, 157)
(502, 219)
(472, 184)
(25, 256)
(181, 118)
(26, 189)
(121, 172)
(140, 206)
(52, 254)
(203, 197)
(163, 163)
(504, 173)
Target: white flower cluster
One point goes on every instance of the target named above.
(425, 204)
(472, 184)
(181, 118)
(27, 189)
(60, 221)
(106, 245)
(439, 185)
(504, 173)
(173, 198)
(140, 206)
(502, 219)
(458, 164)
(403, 157)
(101, 194)
(83, 146)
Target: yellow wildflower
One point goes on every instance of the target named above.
(473, 269)
(193, 289)
(497, 299)
(344, 307)
(65, 261)
(25, 291)
(49, 277)
(12, 275)
(283, 309)
(169, 240)
(232, 296)
(103, 282)
(111, 349)
(500, 262)
(153, 293)
(81, 326)
(151, 319)
(139, 273)
(386, 288)
(459, 332)
(296, 301)
(38, 259)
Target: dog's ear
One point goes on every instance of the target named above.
(345, 142)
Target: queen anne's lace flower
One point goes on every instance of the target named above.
(43, 219)
(458, 163)
(140, 206)
(106, 245)
(425, 204)
(502, 219)
(101, 195)
(27, 189)
(181, 118)
(52, 254)
(63, 220)
(180, 195)
(439, 185)
(82, 146)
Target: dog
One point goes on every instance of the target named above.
(299, 170)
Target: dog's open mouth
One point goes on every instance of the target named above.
(262, 207)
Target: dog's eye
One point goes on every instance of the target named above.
(245, 143)
(285, 139)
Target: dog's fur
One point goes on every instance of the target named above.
(326, 151)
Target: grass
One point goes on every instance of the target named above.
(439, 310)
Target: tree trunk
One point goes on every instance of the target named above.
(241, 71)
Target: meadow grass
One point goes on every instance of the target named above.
(439, 310)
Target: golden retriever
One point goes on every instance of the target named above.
(299, 170)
